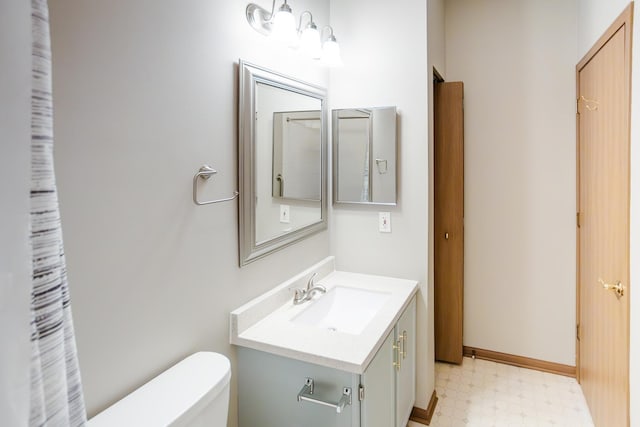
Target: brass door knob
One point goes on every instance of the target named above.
(618, 288)
(446, 236)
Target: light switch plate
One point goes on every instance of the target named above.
(384, 222)
(285, 214)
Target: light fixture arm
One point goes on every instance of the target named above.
(331, 36)
(273, 9)
(311, 24)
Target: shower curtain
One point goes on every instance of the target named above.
(56, 390)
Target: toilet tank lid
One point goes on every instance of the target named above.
(186, 387)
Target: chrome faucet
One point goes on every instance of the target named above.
(302, 295)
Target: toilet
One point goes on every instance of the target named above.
(193, 393)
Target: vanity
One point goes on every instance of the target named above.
(344, 358)
(338, 351)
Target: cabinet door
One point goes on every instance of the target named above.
(378, 406)
(406, 373)
(268, 386)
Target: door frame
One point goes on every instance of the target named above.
(625, 19)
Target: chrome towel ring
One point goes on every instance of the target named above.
(205, 172)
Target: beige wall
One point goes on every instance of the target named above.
(145, 93)
(594, 17)
(384, 48)
(517, 62)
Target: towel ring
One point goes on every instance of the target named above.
(205, 172)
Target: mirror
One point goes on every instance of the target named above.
(364, 155)
(282, 161)
(296, 155)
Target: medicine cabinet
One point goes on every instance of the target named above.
(364, 155)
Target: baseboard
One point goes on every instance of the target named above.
(520, 361)
(423, 416)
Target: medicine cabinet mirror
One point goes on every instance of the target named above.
(282, 160)
(364, 155)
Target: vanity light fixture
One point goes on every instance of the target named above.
(281, 26)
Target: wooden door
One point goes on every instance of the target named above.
(448, 220)
(603, 89)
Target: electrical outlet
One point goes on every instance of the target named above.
(284, 214)
(384, 222)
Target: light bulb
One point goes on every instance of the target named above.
(331, 53)
(284, 26)
(310, 42)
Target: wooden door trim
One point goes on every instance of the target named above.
(625, 19)
(423, 416)
(521, 361)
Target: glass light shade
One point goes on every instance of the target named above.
(310, 42)
(284, 27)
(331, 54)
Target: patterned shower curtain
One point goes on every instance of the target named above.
(56, 390)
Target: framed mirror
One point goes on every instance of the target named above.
(364, 155)
(282, 160)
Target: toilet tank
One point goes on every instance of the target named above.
(194, 393)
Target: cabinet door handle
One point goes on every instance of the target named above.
(405, 338)
(306, 394)
(398, 353)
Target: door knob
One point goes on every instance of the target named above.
(446, 236)
(618, 288)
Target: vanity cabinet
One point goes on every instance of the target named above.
(393, 368)
(382, 396)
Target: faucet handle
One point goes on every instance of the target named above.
(311, 279)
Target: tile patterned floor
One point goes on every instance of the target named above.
(484, 394)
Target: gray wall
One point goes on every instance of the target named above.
(385, 55)
(15, 176)
(145, 92)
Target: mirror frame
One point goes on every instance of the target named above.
(249, 76)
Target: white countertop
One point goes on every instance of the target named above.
(271, 329)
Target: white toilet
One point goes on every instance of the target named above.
(194, 393)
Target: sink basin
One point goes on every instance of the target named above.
(343, 309)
